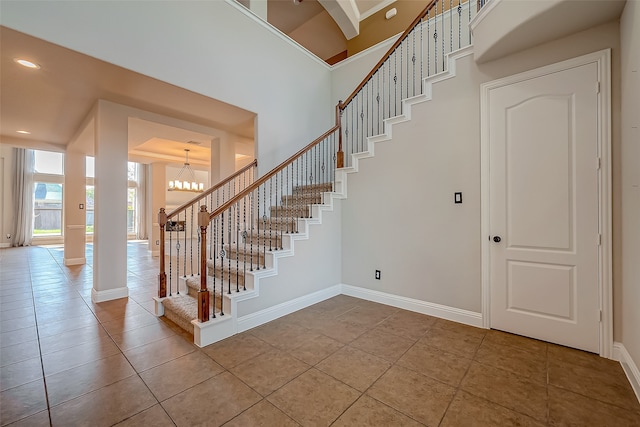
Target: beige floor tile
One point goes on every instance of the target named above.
(269, 371)
(314, 398)
(382, 344)
(367, 316)
(407, 324)
(79, 355)
(534, 347)
(237, 349)
(16, 313)
(469, 410)
(152, 417)
(582, 358)
(72, 338)
(460, 328)
(17, 324)
(17, 337)
(21, 402)
(306, 318)
(158, 352)
(141, 336)
(354, 367)
(212, 402)
(451, 341)
(105, 406)
(65, 325)
(178, 375)
(507, 389)
(262, 414)
(367, 412)
(610, 386)
(41, 419)
(422, 398)
(571, 409)
(19, 373)
(67, 385)
(436, 363)
(19, 352)
(282, 335)
(118, 326)
(340, 330)
(315, 347)
(335, 306)
(521, 362)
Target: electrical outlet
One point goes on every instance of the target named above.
(457, 198)
(157, 242)
(377, 274)
(8, 236)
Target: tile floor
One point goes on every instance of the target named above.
(343, 362)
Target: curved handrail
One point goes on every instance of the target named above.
(342, 104)
(184, 206)
(241, 195)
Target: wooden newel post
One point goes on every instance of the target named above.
(162, 277)
(340, 153)
(203, 293)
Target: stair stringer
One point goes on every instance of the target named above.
(205, 333)
(387, 135)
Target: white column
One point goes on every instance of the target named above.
(110, 231)
(157, 185)
(75, 217)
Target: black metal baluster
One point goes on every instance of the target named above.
(170, 256)
(229, 245)
(450, 26)
(264, 226)
(191, 243)
(442, 35)
(395, 83)
(251, 219)
(459, 10)
(428, 43)
(469, 22)
(258, 228)
(435, 38)
(237, 233)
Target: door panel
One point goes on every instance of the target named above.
(544, 205)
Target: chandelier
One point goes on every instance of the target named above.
(182, 185)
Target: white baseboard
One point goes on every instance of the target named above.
(109, 294)
(272, 313)
(75, 261)
(5, 245)
(630, 368)
(442, 311)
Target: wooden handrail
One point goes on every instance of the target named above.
(241, 195)
(342, 104)
(211, 190)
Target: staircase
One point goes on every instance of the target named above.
(242, 238)
(232, 268)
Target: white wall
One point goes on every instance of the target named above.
(400, 217)
(214, 48)
(629, 333)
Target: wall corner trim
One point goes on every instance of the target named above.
(437, 310)
(109, 294)
(629, 366)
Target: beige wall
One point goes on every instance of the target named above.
(400, 217)
(628, 279)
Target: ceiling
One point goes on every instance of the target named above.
(52, 102)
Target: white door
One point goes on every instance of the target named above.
(544, 225)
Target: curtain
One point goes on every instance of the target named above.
(141, 202)
(23, 170)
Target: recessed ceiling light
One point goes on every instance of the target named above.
(24, 132)
(26, 63)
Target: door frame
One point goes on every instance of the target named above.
(605, 284)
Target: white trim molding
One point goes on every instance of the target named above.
(75, 261)
(603, 60)
(109, 294)
(630, 368)
(436, 310)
